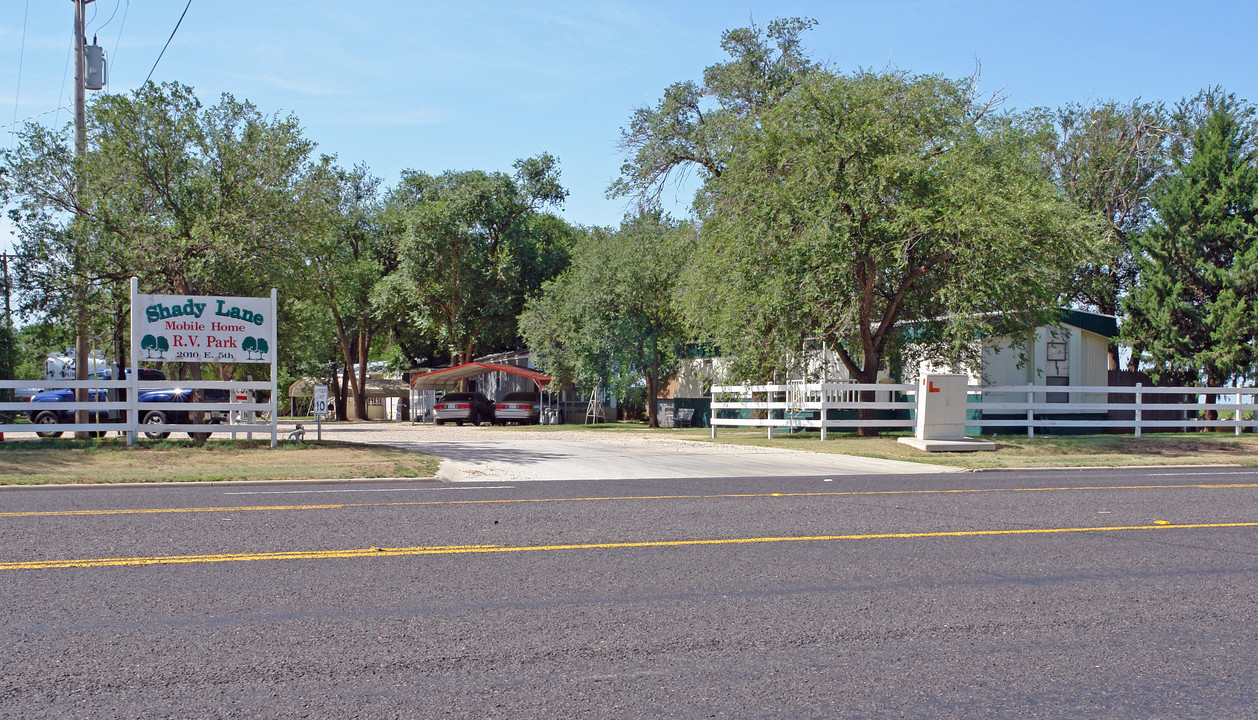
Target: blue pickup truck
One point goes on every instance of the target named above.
(47, 413)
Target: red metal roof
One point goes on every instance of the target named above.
(449, 378)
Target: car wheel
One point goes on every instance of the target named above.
(199, 436)
(440, 422)
(459, 423)
(155, 417)
(47, 418)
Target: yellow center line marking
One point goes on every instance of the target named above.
(483, 549)
(518, 501)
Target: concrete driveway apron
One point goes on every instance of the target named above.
(488, 454)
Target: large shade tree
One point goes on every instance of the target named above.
(692, 128)
(611, 317)
(343, 265)
(191, 199)
(836, 208)
(862, 201)
(474, 246)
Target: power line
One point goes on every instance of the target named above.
(65, 72)
(172, 37)
(26, 120)
(17, 94)
(123, 24)
(111, 16)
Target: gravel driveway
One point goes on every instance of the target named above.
(489, 454)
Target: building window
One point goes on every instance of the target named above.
(1057, 371)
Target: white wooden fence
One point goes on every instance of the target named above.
(127, 416)
(806, 405)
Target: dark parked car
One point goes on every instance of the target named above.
(461, 407)
(518, 407)
(47, 413)
(180, 417)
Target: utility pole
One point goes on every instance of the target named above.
(8, 293)
(82, 360)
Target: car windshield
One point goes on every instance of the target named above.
(519, 397)
(458, 396)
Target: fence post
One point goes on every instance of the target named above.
(1238, 412)
(821, 399)
(1139, 397)
(1253, 399)
(1030, 412)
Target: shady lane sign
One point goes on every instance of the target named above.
(199, 328)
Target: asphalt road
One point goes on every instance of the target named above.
(1063, 594)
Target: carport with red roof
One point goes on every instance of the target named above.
(452, 378)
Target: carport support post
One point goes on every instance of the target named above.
(541, 402)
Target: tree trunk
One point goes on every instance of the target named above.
(348, 353)
(342, 412)
(360, 387)
(1133, 362)
(652, 392)
(868, 374)
(1211, 413)
(652, 416)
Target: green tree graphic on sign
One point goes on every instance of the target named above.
(151, 344)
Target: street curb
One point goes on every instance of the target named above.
(220, 483)
(1116, 467)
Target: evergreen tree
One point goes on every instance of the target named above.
(1194, 307)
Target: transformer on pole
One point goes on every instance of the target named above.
(95, 77)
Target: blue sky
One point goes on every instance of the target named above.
(475, 85)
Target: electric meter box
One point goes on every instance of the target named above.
(941, 407)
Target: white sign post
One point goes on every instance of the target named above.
(320, 408)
